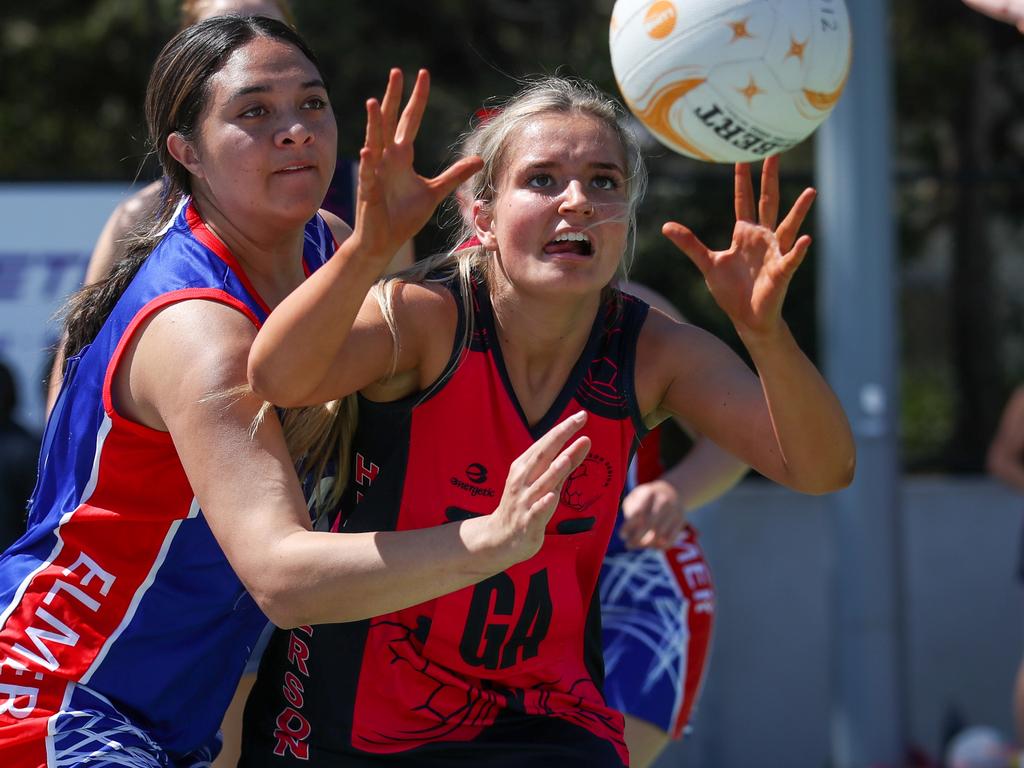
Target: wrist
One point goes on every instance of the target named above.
(365, 254)
(770, 335)
(489, 550)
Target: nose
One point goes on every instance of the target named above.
(295, 131)
(575, 200)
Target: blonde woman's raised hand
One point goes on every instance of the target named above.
(393, 202)
(533, 489)
(749, 279)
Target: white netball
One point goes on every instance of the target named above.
(730, 80)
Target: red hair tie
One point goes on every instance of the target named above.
(485, 114)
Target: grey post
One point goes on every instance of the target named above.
(856, 294)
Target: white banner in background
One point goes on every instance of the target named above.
(47, 232)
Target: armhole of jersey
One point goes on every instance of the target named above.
(460, 343)
(460, 346)
(325, 242)
(636, 311)
(330, 234)
(166, 299)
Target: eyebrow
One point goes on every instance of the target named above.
(545, 164)
(317, 83)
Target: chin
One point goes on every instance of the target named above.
(296, 212)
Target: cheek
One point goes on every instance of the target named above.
(521, 212)
(328, 129)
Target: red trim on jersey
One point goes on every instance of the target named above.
(648, 458)
(205, 236)
(161, 301)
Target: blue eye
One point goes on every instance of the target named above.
(605, 183)
(540, 181)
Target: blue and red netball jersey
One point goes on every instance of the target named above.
(492, 674)
(118, 604)
(657, 610)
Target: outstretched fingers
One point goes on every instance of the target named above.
(390, 103)
(451, 177)
(768, 203)
(744, 193)
(370, 154)
(374, 140)
(532, 463)
(412, 115)
(792, 259)
(684, 239)
(790, 226)
(551, 480)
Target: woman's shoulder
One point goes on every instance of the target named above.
(133, 209)
(652, 298)
(338, 227)
(424, 300)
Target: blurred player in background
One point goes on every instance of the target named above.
(1006, 452)
(1010, 11)
(657, 595)
(1006, 463)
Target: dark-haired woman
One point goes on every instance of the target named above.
(164, 524)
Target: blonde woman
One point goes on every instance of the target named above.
(462, 363)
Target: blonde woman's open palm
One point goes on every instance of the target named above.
(749, 279)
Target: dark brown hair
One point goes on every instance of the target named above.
(175, 97)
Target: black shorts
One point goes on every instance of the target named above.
(519, 742)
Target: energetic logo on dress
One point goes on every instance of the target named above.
(476, 474)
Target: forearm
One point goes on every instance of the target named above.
(314, 577)
(292, 355)
(810, 429)
(1008, 471)
(704, 474)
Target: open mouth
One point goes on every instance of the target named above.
(576, 243)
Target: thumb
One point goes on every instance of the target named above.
(795, 257)
(687, 242)
(449, 179)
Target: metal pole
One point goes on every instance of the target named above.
(856, 307)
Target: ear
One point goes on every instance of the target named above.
(483, 224)
(185, 153)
